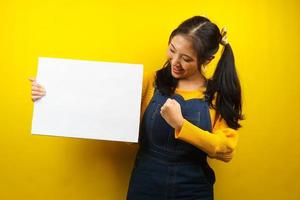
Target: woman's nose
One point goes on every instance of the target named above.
(175, 60)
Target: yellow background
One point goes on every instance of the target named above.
(265, 38)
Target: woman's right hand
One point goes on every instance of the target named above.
(37, 90)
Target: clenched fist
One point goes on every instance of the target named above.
(171, 112)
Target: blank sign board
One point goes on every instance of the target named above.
(88, 99)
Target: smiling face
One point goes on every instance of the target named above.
(183, 58)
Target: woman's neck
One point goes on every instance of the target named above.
(192, 83)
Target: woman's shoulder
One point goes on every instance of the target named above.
(148, 82)
(149, 76)
(148, 89)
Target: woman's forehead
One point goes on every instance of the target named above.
(183, 45)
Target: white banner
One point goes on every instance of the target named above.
(88, 99)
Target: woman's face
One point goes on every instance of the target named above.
(183, 58)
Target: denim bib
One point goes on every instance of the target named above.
(166, 167)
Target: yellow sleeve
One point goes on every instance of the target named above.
(222, 139)
(147, 90)
(147, 93)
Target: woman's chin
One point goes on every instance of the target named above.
(176, 75)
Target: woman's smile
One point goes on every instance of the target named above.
(177, 70)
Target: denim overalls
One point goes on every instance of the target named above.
(169, 168)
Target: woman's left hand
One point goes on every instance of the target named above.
(171, 112)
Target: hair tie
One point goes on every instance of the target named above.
(224, 39)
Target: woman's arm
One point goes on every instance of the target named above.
(222, 139)
(219, 144)
(147, 92)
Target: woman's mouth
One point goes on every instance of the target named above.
(177, 70)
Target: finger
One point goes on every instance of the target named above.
(36, 84)
(175, 102)
(227, 156)
(38, 89)
(38, 93)
(32, 79)
(229, 150)
(169, 101)
(162, 113)
(228, 153)
(34, 98)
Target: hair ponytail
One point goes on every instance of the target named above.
(224, 87)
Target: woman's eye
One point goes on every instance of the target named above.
(186, 60)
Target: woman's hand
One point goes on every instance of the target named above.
(37, 90)
(171, 112)
(226, 157)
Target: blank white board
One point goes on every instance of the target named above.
(88, 99)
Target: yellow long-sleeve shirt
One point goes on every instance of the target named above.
(222, 139)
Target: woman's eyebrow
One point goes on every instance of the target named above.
(182, 54)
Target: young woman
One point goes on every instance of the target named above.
(185, 116)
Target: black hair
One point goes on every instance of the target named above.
(224, 85)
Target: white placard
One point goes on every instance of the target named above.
(88, 99)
